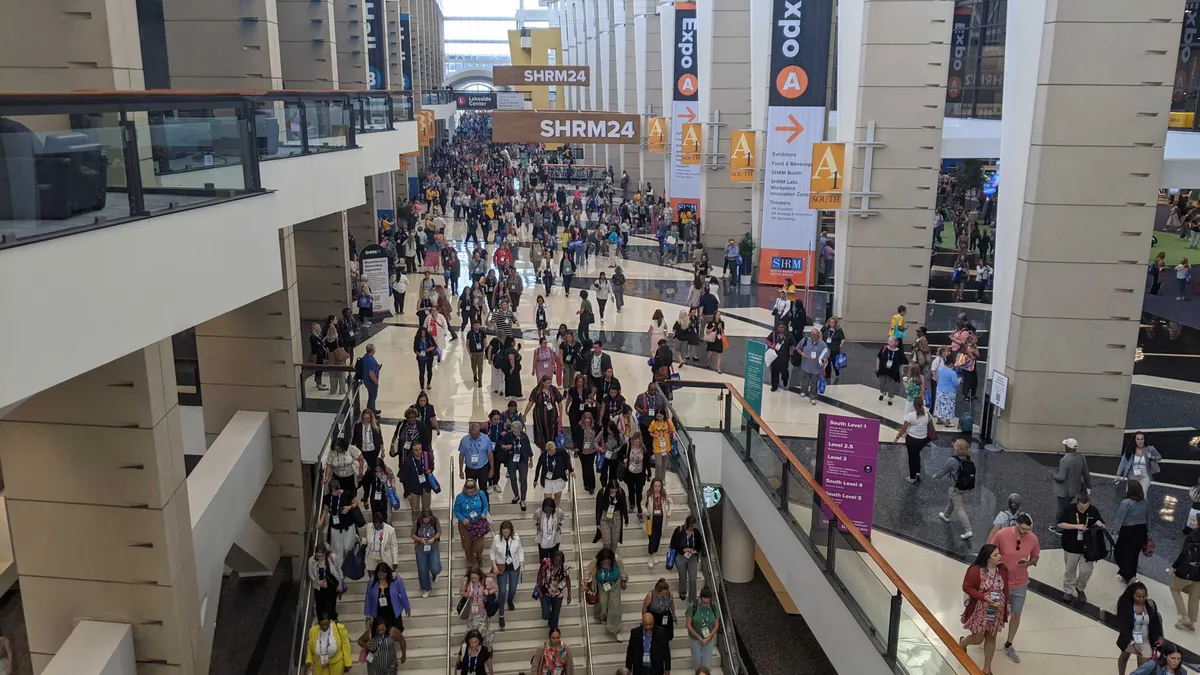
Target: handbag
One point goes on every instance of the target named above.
(559, 440)
(354, 567)
(821, 384)
(592, 597)
(671, 559)
(674, 447)
(1148, 547)
(479, 529)
(932, 433)
(359, 519)
(710, 336)
(491, 604)
(462, 611)
(839, 361)
(600, 460)
(433, 483)
(340, 355)
(724, 342)
(393, 498)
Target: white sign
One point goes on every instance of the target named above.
(999, 389)
(685, 178)
(789, 227)
(510, 100)
(375, 269)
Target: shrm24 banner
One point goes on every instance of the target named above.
(685, 107)
(795, 120)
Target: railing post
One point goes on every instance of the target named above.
(304, 149)
(133, 171)
(351, 141)
(391, 112)
(893, 636)
(728, 412)
(249, 143)
(830, 545)
(783, 485)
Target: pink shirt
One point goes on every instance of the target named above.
(1006, 540)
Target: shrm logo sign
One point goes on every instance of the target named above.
(788, 264)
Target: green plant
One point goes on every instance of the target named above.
(746, 246)
(970, 176)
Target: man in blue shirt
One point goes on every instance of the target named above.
(369, 371)
(475, 456)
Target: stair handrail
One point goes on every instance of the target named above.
(583, 614)
(449, 571)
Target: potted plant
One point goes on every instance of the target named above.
(746, 248)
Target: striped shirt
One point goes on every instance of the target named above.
(384, 661)
(504, 320)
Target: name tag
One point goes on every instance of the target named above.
(562, 585)
(813, 355)
(474, 609)
(607, 587)
(687, 554)
(428, 548)
(408, 445)
(608, 455)
(704, 633)
(370, 658)
(587, 445)
(658, 512)
(474, 459)
(420, 478)
(474, 515)
(337, 520)
(645, 659)
(1137, 469)
(889, 363)
(650, 412)
(1137, 637)
(549, 405)
(383, 601)
(666, 618)
(611, 511)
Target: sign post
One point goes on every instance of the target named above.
(755, 367)
(847, 456)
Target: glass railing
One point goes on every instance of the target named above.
(902, 628)
(437, 97)
(72, 162)
(323, 387)
(342, 427)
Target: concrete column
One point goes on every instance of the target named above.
(724, 38)
(1076, 218)
(95, 46)
(666, 53)
(223, 46)
(360, 220)
(626, 80)
(248, 361)
(883, 261)
(98, 509)
(322, 266)
(350, 21)
(307, 44)
(760, 66)
(737, 546)
(608, 84)
(96, 648)
(648, 63)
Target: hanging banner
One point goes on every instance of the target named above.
(373, 263)
(828, 178)
(518, 76)
(426, 127)
(476, 100)
(689, 150)
(1187, 65)
(403, 163)
(685, 106)
(658, 135)
(377, 60)
(957, 72)
(550, 126)
(848, 448)
(795, 120)
(405, 53)
(741, 156)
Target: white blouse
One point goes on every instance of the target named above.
(507, 551)
(345, 463)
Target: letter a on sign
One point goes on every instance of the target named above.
(741, 157)
(657, 143)
(828, 176)
(689, 144)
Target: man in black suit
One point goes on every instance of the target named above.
(597, 363)
(649, 651)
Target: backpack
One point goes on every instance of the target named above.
(1095, 546)
(964, 478)
(1188, 566)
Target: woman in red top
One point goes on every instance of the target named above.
(986, 586)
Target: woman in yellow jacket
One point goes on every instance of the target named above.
(328, 647)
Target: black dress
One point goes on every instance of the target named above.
(512, 375)
(716, 346)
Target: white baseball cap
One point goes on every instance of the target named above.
(1071, 443)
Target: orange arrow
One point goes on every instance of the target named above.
(689, 116)
(795, 128)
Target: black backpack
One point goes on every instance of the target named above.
(1188, 566)
(1095, 544)
(359, 374)
(964, 479)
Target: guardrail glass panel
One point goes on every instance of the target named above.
(873, 596)
(373, 111)
(329, 125)
(402, 107)
(279, 127)
(189, 155)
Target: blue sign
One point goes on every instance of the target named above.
(405, 53)
(756, 353)
(790, 264)
(376, 54)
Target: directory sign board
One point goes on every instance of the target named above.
(519, 76)
(752, 386)
(849, 450)
(685, 104)
(554, 126)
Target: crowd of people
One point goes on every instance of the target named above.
(578, 418)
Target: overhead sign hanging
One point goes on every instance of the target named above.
(425, 127)
(690, 145)
(657, 143)
(828, 179)
(795, 120)
(741, 156)
(685, 105)
(377, 61)
(538, 75)
(406, 52)
(482, 100)
(957, 71)
(552, 126)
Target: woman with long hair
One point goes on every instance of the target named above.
(476, 588)
(426, 350)
(474, 656)
(915, 432)
(635, 471)
(553, 657)
(657, 507)
(657, 330)
(1139, 626)
(368, 438)
(1139, 461)
(986, 587)
(554, 584)
(386, 597)
(1169, 662)
(1130, 524)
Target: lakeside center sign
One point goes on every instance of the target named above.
(553, 126)
(538, 75)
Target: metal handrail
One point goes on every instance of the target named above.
(305, 601)
(449, 572)
(583, 613)
(716, 578)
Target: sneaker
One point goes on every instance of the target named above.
(889, 401)
(812, 401)
(502, 623)
(650, 562)
(1071, 599)
(522, 506)
(943, 516)
(910, 480)
(1011, 654)
(425, 594)
(881, 397)
(1082, 596)
(966, 535)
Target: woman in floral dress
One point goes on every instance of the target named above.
(986, 587)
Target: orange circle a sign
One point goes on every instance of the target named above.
(686, 84)
(791, 82)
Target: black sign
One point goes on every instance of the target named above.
(406, 52)
(800, 52)
(686, 68)
(476, 100)
(957, 72)
(377, 65)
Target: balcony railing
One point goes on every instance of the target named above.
(78, 161)
(437, 97)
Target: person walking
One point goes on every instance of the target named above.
(476, 347)
(661, 605)
(1183, 271)
(1185, 579)
(1007, 517)
(548, 525)
(325, 573)
(987, 586)
(552, 471)
(426, 350)
(553, 585)
(649, 649)
(553, 657)
(516, 445)
(1075, 523)
(507, 557)
(703, 620)
(369, 368)
(888, 364)
(657, 508)
(1139, 462)
(1130, 523)
(915, 431)
(833, 336)
(471, 511)
(780, 342)
(368, 438)
(687, 542)
(714, 336)
(605, 579)
(813, 354)
(478, 589)
(328, 649)
(386, 598)
(1072, 477)
(1139, 626)
(381, 645)
(427, 535)
(603, 291)
(945, 394)
(898, 328)
(382, 545)
(961, 468)
(1168, 662)
(612, 515)
(475, 457)
(1019, 550)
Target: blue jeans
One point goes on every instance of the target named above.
(550, 609)
(372, 392)
(518, 479)
(508, 579)
(429, 565)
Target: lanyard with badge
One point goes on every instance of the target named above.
(1139, 622)
(474, 456)
(337, 509)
